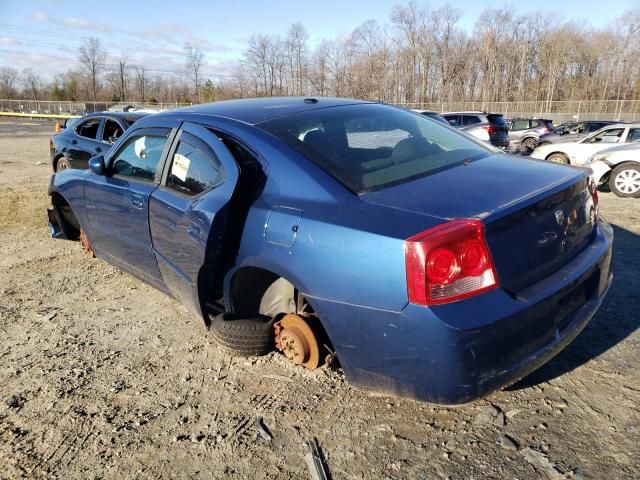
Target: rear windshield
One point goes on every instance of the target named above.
(496, 118)
(370, 146)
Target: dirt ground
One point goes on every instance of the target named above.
(104, 377)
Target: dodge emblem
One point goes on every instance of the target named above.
(559, 217)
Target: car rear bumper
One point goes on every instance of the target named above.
(500, 142)
(459, 352)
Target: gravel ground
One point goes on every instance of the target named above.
(104, 377)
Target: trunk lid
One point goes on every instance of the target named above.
(537, 215)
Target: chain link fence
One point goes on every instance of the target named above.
(48, 107)
(558, 111)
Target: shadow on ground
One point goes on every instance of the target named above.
(618, 317)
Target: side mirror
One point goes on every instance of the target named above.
(96, 165)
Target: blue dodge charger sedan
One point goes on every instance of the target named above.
(431, 265)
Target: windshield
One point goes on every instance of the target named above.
(370, 146)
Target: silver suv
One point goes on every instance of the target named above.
(489, 127)
(525, 132)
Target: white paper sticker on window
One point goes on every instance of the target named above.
(180, 166)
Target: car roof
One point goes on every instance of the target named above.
(257, 110)
(472, 112)
(127, 116)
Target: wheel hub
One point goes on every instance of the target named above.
(628, 181)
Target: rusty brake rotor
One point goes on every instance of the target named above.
(298, 341)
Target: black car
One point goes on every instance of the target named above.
(88, 136)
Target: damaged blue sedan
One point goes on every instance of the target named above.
(427, 263)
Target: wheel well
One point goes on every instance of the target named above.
(68, 221)
(625, 163)
(247, 291)
(55, 161)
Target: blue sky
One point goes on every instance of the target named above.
(45, 34)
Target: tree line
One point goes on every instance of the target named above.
(421, 55)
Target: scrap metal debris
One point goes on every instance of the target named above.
(314, 460)
(49, 316)
(262, 430)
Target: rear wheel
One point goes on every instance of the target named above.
(529, 144)
(62, 164)
(558, 158)
(625, 181)
(243, 336)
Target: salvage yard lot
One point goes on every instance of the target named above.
(104, 377)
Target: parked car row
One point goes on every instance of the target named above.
(322, 227)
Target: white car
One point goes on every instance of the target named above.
(577, 153)
(620, 166)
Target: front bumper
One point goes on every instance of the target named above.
(456, 353)
(599, 171)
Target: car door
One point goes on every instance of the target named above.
(117, 203)
(594, 143)
(84, 142)
(187, 213)
(518, 128)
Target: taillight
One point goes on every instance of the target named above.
(593, 190)
(491, 129)
(448, 263)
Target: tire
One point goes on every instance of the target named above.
(244, 337)
(62, 164)
(558, 158)
(529, 144)
(624, 181)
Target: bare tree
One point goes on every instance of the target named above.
(32, 84)
(92, 57)
(141, 81)
(195, 59)
(8, 77)
(123, 78)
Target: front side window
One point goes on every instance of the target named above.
(89, 128)
(192, 170)
(139, 157)
(520, 125)
(368, 147)
(611, 135)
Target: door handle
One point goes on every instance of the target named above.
(136, 200)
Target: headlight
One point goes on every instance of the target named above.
(597, 157)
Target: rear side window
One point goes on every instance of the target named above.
(596, 126)
(89, 128)
(470, 119)
(634, 135)
(535, 123)
(193, 170)
(369, 147)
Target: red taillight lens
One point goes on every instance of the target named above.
(448, 263)
(593, 189)
(491, 130)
